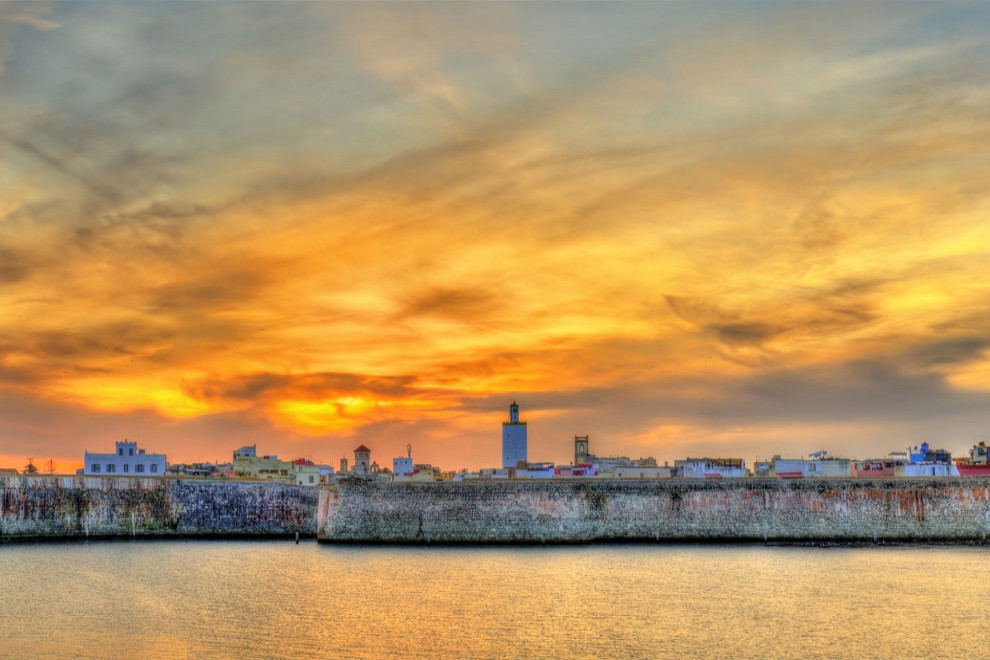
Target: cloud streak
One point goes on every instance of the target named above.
(680, 229)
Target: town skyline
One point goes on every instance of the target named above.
(682, 230)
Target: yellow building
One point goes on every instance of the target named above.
(262, 467)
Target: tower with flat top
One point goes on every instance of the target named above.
(513, 439)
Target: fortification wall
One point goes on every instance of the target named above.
(558, 511)
(37, 508)
(786, 511)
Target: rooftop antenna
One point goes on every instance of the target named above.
(409, 451)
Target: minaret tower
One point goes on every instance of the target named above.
(513, 439)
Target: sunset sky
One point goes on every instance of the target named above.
(731, 229)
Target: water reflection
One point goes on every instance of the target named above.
(261, 600)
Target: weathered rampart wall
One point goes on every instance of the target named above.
(37, 508)
(559, 511)
(773, 510)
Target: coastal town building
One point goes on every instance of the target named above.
(305, 472)
(491, 473)
(584, 457)
(420, 472)
(248, 464)
(576, 470)
(514, 453)
(362, 461)
(250, 451)
(202, 470)
(535, 471)
(921, 462)
(642, 472)
(127, 460)
(816, 465)
(710, 468)
(402, 466)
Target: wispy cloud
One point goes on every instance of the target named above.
(678, 228)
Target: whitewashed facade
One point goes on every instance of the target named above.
(126, 461)
(513, 439)
(402, 466)
(710, 468)
(797, 468)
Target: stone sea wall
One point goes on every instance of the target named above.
(558, 511)
(756, 510)
(45, 508)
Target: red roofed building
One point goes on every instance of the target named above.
(362, 461)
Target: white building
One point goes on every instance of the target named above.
(306, 475)
(536, 471)
(248, 451)
(128, 460)
(583, 456)
(402, 466)
(796, 468)
(513, 439)
(642, 472)
(710, 468)
(926, 470)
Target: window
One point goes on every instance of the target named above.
(120, 452)
(310, 478)
(127, 468)
(130, 451)
(111, 467)
(139, 467)
(95, 467)
(154, 467)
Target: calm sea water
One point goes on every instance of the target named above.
(280, 600)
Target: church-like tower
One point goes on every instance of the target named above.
(513, 439)
(581, 452)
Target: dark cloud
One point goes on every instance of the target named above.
(90, 349)
(743, 333)
(948, 352)
(259, 386)
(95, 343)
(213, 292)
(61, 160)
(157, 229)
(14, 266)
(467, 304)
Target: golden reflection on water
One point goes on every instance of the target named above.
(273, 599)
